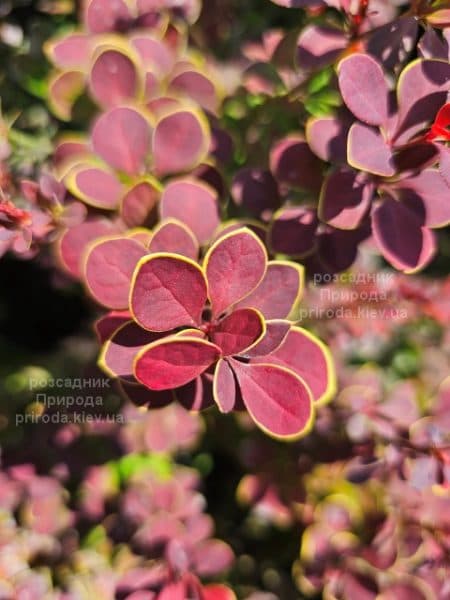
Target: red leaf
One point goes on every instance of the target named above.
(276, 398)
(307, 356)
(109, 268)
(217, 592)
(238, 331)
(168, 291)
(174, 361)
(234, 266)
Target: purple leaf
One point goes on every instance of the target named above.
(319, 46)
(368, 151)
(293, 164)
(256, 190)
(345, 199)
(364, 89)
(293, 231)
(401, 236)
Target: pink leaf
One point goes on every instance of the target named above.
(174, 361)
(368, 151)
(320, 46)
(104, 15)
(174, 236)
(168, 291)
(114, 78)
(279, 291)
(130, 133)
(194, 203)
(234, 267)
(364, 89)
(70, 52)
(180, 142)
(119, 352)
(138, 202)
(109, 268)
(96, 186)
(224, 387)
(75, 240)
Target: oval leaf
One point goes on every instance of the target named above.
(121, 136)
(118, 353)
(194, 203)
(401, 236)
(364, 89)
(224, 388)
(180, 142)
(168, 291)
(114, 78)
(277, 399)
(174, 236)
(109, 268)
(305, 354)
(234, 266)
(95, 186)
(174, 361)
(138, 203)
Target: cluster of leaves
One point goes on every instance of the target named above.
(182, 195)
